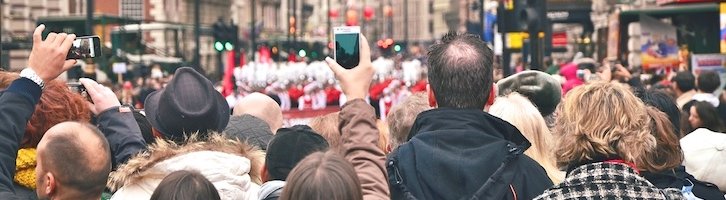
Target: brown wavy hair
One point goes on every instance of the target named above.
(602, 120)
(667, 154)
(323, 176)
(57, 104)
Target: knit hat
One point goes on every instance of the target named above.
(543, 90)
(288, 147)
(249, 128)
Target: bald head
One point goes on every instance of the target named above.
(460, 71)
(260, 106)
(77, 155)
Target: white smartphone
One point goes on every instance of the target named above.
(347, 46)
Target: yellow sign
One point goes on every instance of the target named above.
(515, 40)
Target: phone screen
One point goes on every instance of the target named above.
(347, 49)
(85, 47)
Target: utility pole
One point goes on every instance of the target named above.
(482, 17)
(329, 24)
(197, 33)
(89, 17)
(288, 20)
(405, 23)
(253, 45)
(2, 52)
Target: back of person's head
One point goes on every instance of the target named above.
(520, 112)
(601, 121)
(323, 176)
(187, 105)
(57, 104)
(74, 162)
(6, 78)
(667, 154)
(327, 126)
(145, 127)
(401, 117)
(704, 115)
(290, 146)
(185, 185)
(260, 106)
(249, 128)
(664, 103)
(708, 82)
(460, 71)
(684, 81)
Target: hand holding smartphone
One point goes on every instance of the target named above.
(85, 47)
(347, 46)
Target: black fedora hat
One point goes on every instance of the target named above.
(188, 104)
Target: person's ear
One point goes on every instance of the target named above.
(156, 133)
(389, 148)
(432, 97)
(50, 185)
(265, 175)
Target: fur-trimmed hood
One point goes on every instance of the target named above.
(231, 165)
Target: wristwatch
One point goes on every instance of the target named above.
(30, 74)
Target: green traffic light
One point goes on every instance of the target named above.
(228, 46)
(302, 53)
(218, 46)
(397, 48)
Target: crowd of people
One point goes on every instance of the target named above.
(464, 136)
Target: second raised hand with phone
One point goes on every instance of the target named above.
(347, 46)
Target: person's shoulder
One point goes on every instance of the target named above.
(532, 172)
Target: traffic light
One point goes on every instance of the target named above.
(397, 48)
(302, 53)
(225, 36)
(232, 40)
(218, 33)
(530, 14)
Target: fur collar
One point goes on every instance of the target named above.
(136, 168)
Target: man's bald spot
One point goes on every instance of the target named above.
(77, 154)
(260, 106)
(460, 53)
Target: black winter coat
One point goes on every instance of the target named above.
(452, 152)
(17, 104)
(678, 177)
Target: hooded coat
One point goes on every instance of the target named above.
(451, 153)
(232, 166)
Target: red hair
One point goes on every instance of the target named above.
(57, 104)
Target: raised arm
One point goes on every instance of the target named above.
(17, 102)
(358, 126)
(117, 123)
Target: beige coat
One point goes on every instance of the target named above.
(232, 166)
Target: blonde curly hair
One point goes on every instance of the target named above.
(602, 120)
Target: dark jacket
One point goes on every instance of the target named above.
(452, 152)
(122, 132)
(17, 104)
(678, 177)
(601, 180)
